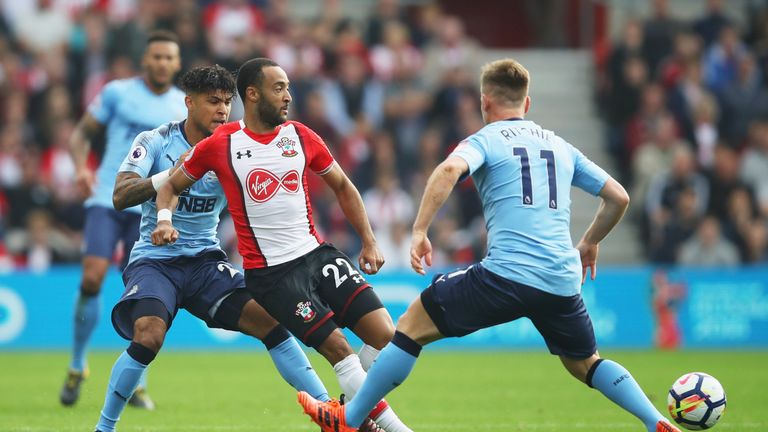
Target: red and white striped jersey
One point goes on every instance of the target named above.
(265, 180)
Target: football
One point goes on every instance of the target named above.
(696, 401)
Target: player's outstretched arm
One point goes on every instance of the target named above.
(439, 186)
(371, 259)
(132, 189)
(612, 209)
(167, 199)
(79, 147)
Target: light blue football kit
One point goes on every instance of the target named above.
(126, 108)
(524, 175)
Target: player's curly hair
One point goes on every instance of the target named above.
(251, 73)
(506, 80)
(205, 79)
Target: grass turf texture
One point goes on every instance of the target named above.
(448, 391)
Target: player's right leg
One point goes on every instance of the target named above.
(101, 234)
(143, 315)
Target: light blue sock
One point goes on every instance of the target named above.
(391, 368)
(293, 365)
(86, 318)
(143, 379)
(122, 382)
(618, 385)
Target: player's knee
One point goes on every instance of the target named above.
(91, 284)
(255, 321)
(94, 272)
(579, 368)
(375, 328)
(335, 347)
(149, 331)
(417, 324)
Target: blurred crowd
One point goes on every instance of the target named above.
(685, 104)
(390, 94)
(686, 109)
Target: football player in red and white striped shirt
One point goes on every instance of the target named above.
(312, 288)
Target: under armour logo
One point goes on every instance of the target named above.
(247, 154)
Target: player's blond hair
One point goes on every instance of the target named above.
(506, 81)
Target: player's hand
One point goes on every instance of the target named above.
(84, 182)
(420, 248)
(588, 253)
(164, 234)
(371, 259)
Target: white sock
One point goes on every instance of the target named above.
(390, 422)
(351, 375)
(367, 355)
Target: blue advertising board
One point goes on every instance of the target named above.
(632, 307)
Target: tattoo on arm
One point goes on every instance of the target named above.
(131, 190)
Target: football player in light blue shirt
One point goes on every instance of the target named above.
(523, 174)
(192, 273)
(123, 109)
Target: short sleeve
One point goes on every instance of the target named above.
(102, 107)
(319, 158)
(472, 151)
(587, 175)
(202, 158)
(143, 153)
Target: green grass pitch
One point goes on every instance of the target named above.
(447, 391)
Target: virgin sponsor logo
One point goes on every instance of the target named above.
(263, 184)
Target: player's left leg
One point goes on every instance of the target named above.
(151, 320)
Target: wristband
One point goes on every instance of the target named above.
(159, 179)
(164, 215)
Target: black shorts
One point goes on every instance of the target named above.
(468, 300)
(314, 294)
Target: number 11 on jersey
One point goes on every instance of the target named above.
(525, 169)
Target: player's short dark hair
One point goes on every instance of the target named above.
(506, 81)
(251, 73)
(206, 79)
(162, 36)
